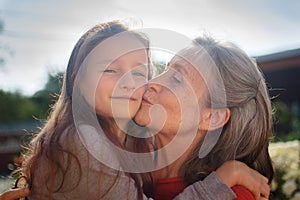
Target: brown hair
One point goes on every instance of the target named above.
(246, 135)
(46, 148)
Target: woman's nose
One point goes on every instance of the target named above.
(154, 86)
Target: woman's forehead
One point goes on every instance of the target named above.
(183, 65)
(196, 60)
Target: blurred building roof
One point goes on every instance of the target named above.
(280, 60)
(282, 73)
(19, 128)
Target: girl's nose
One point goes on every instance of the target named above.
(127, 82)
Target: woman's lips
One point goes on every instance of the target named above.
(145, 100)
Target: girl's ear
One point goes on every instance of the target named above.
(214, 119)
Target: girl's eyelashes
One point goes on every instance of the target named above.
(134, 73)
(110, 71)
(139, 74)
(140, 71)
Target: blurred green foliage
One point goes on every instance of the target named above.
(15, 107)
(286, 121)
(160, 67)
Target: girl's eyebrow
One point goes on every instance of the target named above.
(105, 61)
(109, 61)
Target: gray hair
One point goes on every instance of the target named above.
(246, 135)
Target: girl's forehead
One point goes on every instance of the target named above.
(115, 47)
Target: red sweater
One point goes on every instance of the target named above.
(168, 188)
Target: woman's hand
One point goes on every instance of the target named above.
(237, 173)
(14, 194)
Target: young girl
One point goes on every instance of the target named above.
(102, 91)
(217, 92)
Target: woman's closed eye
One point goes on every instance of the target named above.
(177, 77)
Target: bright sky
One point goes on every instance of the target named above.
(40, 35)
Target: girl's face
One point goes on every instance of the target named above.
(178, 96)
(115, 74)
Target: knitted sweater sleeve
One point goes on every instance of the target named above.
(211, 188)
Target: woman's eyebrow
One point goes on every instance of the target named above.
(141, 64)
(180, 68)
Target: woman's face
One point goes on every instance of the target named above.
(115, 75)
(176, 97)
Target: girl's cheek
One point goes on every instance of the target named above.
(141, 85)
(141, 91)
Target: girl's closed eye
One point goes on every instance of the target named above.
(139, 74)
(109, 70)
(140, 71)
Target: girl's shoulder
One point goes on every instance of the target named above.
(92, 147)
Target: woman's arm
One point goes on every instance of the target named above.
(237, 173)
(211, 188)
(217, 185)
